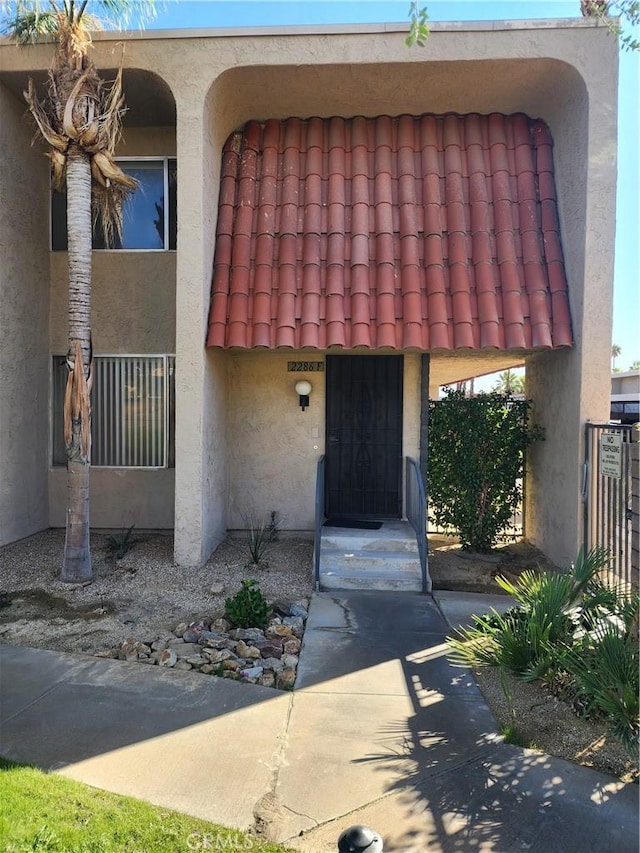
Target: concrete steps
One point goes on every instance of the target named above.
(384, 559)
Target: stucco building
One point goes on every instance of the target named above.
(311, 196)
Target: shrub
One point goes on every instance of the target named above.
(248, 608)
(476, 462)
(574, 634)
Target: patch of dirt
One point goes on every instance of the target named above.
(145, 594)
(142, 595)
(452, 568)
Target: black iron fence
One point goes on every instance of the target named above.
(416, 511)
(319, 511)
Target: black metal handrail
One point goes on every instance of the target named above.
(416, 510)
(319, 519)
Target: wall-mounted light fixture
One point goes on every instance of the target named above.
(303, 389)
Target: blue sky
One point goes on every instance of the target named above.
(188, 14)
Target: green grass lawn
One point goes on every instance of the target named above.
(46, 812)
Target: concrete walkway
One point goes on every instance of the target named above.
(380, 730)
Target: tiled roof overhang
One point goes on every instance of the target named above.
(426, 233)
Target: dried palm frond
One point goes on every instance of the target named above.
(74, 41)
(58, 169)
(43, 120)
(77, 403)
(107, 203)
(111, 121)
(76, 105)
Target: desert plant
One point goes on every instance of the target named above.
(476, 463)
(606, 674)
(571, 632)
(248, 608)
(259, 534)
(119, 544)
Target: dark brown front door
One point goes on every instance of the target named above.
(364, 436)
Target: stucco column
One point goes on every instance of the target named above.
(574, 386)
(200, 502)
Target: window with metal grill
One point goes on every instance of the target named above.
(133, 411)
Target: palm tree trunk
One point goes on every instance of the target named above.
(76, 566)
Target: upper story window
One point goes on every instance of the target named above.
(149, 215)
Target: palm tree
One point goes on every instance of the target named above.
(615, 352)
(509, 382)
(80, 120)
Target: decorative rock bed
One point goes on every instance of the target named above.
(268, 657)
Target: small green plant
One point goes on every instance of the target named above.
(248, 608)
(477, 451)
(119, 544)
(511, 734)
(259, 534)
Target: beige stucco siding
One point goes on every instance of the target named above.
(563, 72)
(24, 303)
(132, 302)
(120, 497)
(133, 311)
(274, 446)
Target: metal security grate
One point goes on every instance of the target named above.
(607, 495)
(132, 416)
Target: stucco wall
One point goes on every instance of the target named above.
(572, 387)
(132, 312)
(120, 497)
(564, 73)
(24, 300)
(274, 447)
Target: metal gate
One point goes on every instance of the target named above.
(607, 494)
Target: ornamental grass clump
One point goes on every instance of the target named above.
(574, 634)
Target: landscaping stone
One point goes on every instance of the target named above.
(270, 648)
(167, 658)
(296, 623)
(286, 679)
(216, 588)
(194, 631)
(185, 650)
(245, 651)
(246, 634)
(267, 679)
(268, 657)
(278, 630)
(252, 672)
(291, 646)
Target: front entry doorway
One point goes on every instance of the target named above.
(364, 436)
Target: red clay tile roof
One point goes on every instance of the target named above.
(427, 233)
